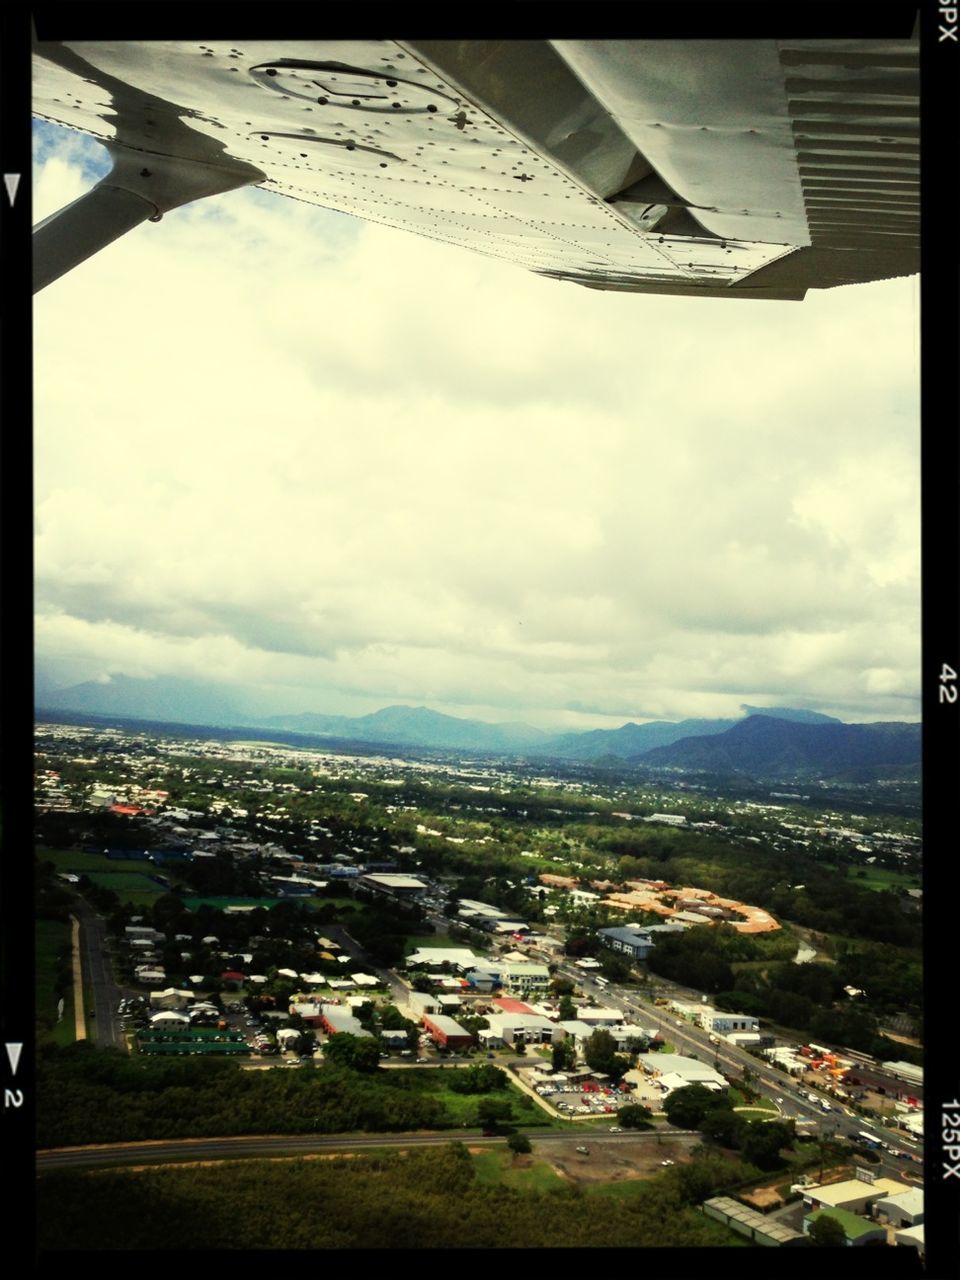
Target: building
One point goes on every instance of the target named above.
(446, 1032)
(757, 1227)
(854, 1195)
(419, 1003)
(459, 958)
(595, 1018)
(393, 885)
(171, 998)
(637, 944)
(857, 1230)
(336, 1020)
(903, 1209)
(725, 1023)
(527, 1028)
(523, 979)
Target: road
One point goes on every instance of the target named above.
(188, 1149)
(768, 1080)
(98, 980)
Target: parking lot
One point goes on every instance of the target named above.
(589, 1098)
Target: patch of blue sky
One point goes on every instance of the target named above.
(56, 141)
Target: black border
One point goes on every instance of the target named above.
(940, 462)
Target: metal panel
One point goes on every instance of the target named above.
(542, 153)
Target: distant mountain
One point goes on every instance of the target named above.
(769, 742)
(632, 740)
(790, 713)
(416, 726)
(763, 747)
(165, 698)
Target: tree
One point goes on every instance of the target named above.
(359, 1053)
(567, 1009)
(493, 1111)
(564, 1055)
(686, 1107)
(635, 1116)
(519, 1144)
(762, 1141)
(600, 1054)
(826, 1232)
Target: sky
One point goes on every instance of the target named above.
(321, 465)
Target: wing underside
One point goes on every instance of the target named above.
(728, 168)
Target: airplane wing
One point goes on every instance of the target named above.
(726, 168)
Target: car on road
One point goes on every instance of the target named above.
(584, 1151)
(664, 1163)
(615, 1128)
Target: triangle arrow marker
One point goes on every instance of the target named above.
(11, 181)
(13, 1053)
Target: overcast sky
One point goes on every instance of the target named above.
(334, 466)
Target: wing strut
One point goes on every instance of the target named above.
(140, 187)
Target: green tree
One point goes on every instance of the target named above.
(686, 1107)
(359, 1053)
(567, 1009)
(519, 1144)
(564, 1054)
(493, 1111)
(635, 1116)
(827, 1233)
(600, 1054)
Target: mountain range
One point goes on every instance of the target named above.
(763, 742)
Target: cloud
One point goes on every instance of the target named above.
(279, 447)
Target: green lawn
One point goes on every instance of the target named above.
(52, 937)
(84, 863)
(878, 878)
(123, 881)
(500, 1168)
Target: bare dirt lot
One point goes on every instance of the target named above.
(619, 1161)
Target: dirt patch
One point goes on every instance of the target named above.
(763, 1198)
(613, 1161)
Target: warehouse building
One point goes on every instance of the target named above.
(394, 885)
(336, 1020)
(755, 1226)
(446, 1032)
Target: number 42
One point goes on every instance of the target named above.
(948, 686)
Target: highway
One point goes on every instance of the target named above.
(192, 1149)
(98, 980)
(767, 1079)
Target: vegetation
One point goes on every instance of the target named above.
(405, 1200)
(85, 1095)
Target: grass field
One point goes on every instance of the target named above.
(879, 878)
(503, 1169)
(52, 938)
(84, 863)
(120, 881)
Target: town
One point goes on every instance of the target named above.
(625, 981)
